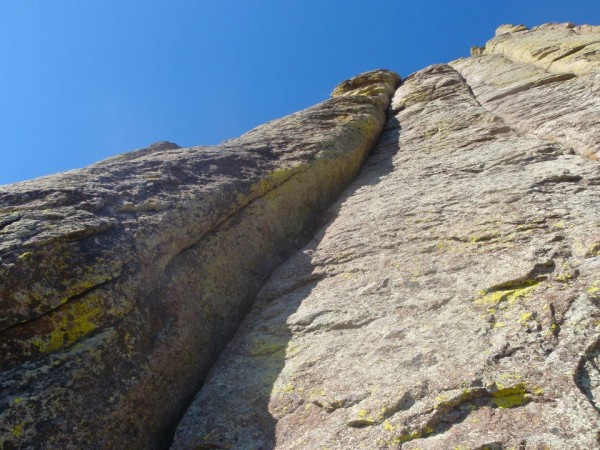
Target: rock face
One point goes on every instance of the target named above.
(450, 298)
(121, 282)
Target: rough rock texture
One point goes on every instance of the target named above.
(120, 282)
(452, 298)
(545, 82)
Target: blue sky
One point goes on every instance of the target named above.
(84, 80)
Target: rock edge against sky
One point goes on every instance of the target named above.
(210, 297)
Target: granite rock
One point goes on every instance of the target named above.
(121, 282)
(544, 82)
(206, 297)
(451, 297)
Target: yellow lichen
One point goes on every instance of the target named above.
(508, 377)
(594, 288)
(17, 430)
(566, 274)
(593, 250)
(525, 317)
(564, 277)
(441, 398)
(76, 320)
(510, 397)
(272, 180)
(511, 401)
(407, 436)
(289, 387)
(403, 438)
(510, 294)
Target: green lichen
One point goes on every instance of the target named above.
(61, 263)
(387, 426)
(71, 323)
(594, 288)
(403, 438)
(564, 277)
(593, 250)
(364, 419)
(289, 387)
(25, 256)
(508, 378)
(525, 317)
(538, 390)
(406, 436)
(553, 329)
(508, 292)
(270, 181)
(567, 273)
(17, 430)
(511, 397)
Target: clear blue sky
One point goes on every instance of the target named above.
(84, 80)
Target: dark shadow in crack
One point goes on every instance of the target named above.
(587, 376)
(240, 403)
(381, 160)
(379, 164)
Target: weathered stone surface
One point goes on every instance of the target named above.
(120, 282)
(558, 48)
(452, 299)
(541, 98)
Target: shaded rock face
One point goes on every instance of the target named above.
(452, 297)
(121, 282)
